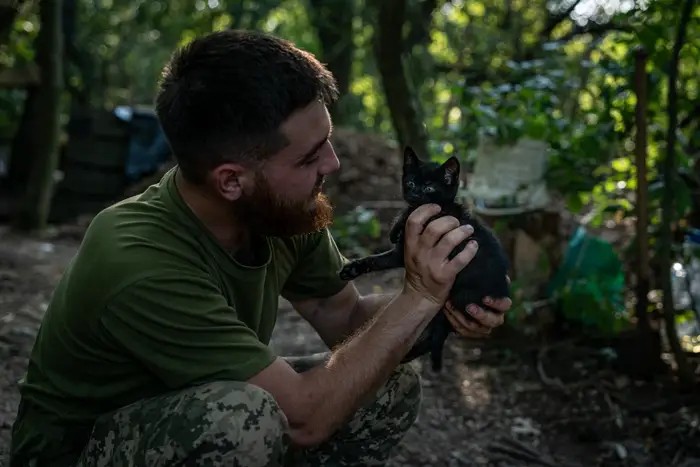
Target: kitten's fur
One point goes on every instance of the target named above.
(429, 182)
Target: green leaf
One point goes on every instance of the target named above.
(622, 164)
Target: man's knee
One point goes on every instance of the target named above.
(378, 427)
(232, 420)
(399, 401)
(409, 391)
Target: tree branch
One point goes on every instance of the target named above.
(594, 29)
(507, 20)
(688, 119)
(476, 76)
(555, 20)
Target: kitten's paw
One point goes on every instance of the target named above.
(349, 272)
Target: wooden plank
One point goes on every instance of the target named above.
(67, 206)
(92, 181)
(21, 77)
(100, 124)
(97, 152)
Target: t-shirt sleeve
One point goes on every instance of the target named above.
(183, 330)
(315, 274)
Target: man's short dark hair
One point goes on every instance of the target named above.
(223, 96)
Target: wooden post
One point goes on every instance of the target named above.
(668, 203)
(642, 205)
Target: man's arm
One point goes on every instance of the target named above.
(336, 317)
(318, 401)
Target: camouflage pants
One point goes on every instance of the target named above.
(237, 424)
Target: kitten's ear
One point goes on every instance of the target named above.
(410, 158)
(451, 168)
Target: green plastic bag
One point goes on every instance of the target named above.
(589, 285)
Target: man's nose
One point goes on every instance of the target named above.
(331, 163)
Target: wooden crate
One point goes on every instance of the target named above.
(102, 154)
(91, 180)
(93, 165)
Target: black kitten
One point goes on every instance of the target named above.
(429, 182)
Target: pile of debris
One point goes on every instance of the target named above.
(370, 173)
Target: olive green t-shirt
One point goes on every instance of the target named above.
(152, 303)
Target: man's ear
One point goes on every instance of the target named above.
(229, 180)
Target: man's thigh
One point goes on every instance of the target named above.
(233, 423)
(222, 423)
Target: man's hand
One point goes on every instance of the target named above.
(484, 321)
(429, 271)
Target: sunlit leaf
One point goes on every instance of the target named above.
(622, 164)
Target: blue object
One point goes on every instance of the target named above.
(693, 236)
(148, 147)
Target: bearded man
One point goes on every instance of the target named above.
(154, 349)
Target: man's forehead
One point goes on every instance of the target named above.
(312, 118)
(305, 128)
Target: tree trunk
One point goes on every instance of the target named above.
(388, 47)
(419, 23)
(642, 205)
(34, 211)
(668, 211)
(337, 43)
(23, 149)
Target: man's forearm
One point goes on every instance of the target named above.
(358, 367)
(367, 307)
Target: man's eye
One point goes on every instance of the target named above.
(310, 161)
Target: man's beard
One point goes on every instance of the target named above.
(264, 213)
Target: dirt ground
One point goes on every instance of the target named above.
(501, 402)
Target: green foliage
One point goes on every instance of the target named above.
(356, 229)
(19, 49)
(505, 69)
(482, 66)
(18, 52)
(577, 94)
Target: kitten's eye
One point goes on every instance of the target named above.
(428, 189)
(411, 185)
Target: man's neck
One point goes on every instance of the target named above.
(214, 215)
